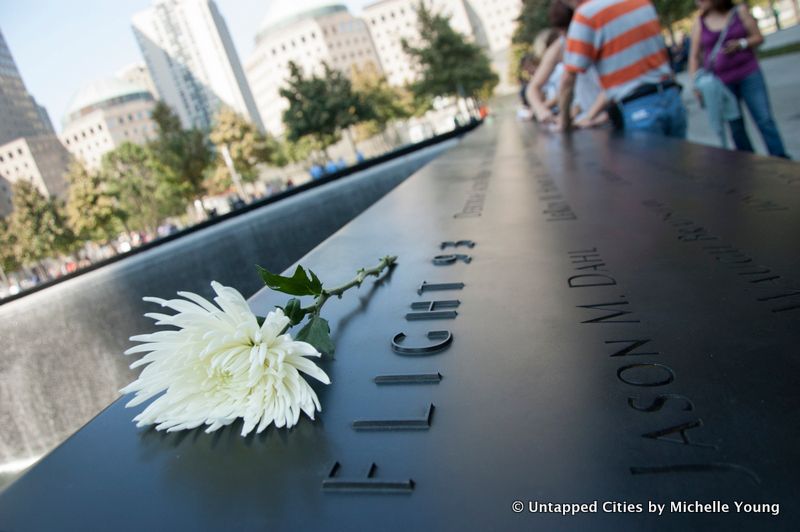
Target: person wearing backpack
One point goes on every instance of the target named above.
(724, 38)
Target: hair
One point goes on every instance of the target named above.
(723, 6)
(560, 14)
(543, 41)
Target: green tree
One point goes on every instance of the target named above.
(148, 190)
(300, 151)
(8, 257)
(533, 18)
(37, 225)
(672, 11)
(449, 65)
(322, 106)
(186, 152)
(388, 103)
(93, 210)
(246, 144)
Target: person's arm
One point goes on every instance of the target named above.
(695, 49)
(696, 56)
(551, 58)
(754, 38)
(596, 114)
(565, 96)
(580, 52)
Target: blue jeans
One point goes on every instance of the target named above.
(661, 113)
(754, 93)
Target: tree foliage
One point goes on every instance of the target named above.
(321, 106)
(185, 152)
(8, 242)
(38, 225)
(93, 210)
(388, 103)
(148, 190)
(533, 18)
(300, 151)
(449, 65)
(671, 11)
(247, 146)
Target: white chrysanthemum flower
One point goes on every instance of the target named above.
(221, 365)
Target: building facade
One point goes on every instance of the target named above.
(29, 149)
(40, 160)
(493, 22)
(138, 74)
(488, 23)
(192, 61)
(391, 21)
(322, 34)
(103, 115)
(21, 115)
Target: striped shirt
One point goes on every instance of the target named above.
(623, 39)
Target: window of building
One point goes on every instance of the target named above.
(130, 117)
(19, 150)
(91, 131)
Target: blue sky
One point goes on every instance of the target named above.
(60, 45)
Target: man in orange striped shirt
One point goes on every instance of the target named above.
(622, 38)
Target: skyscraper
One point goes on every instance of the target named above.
(19, 113)
(192, 60)
(29, 150)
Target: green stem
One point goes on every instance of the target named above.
(385, 262)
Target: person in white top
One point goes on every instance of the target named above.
(590, 100)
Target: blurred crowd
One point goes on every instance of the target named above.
(605, 63)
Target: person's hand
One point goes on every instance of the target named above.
(545, 115)
(562, 124)
(731, 47)
(586, 123)
(699, 96)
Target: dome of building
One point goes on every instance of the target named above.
(283, 12)
(102, 93)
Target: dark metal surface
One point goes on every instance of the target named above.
(626, 332)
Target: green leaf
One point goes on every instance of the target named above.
(294, 311)
(317, 332)
(299, 284)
